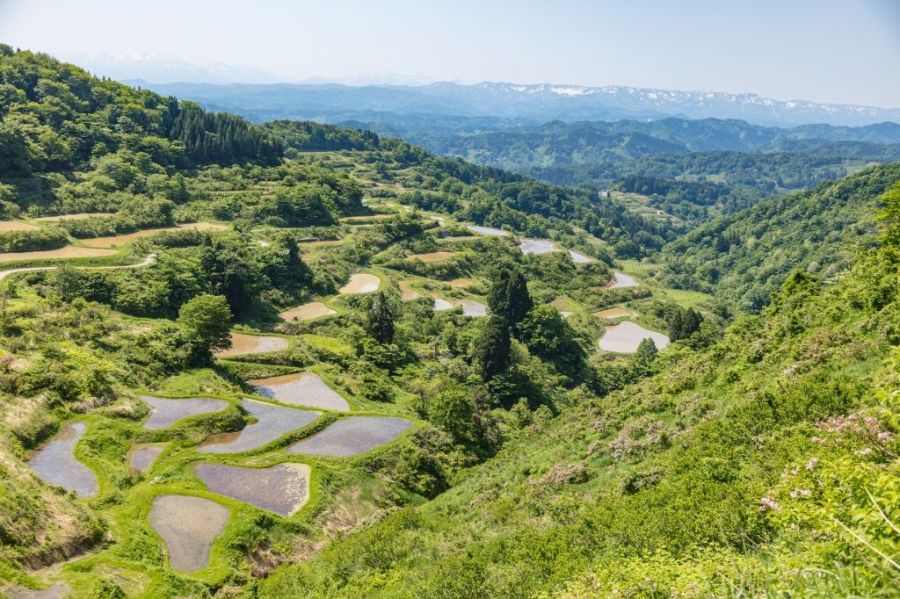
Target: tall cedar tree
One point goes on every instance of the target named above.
(509, 297)
(381, 319)
(492, 349)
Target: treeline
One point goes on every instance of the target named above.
(309, 136)
(222, 138)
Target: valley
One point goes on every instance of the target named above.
(300, 360)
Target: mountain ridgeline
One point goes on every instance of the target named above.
(292, 359)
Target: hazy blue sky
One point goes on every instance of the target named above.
(825, 50)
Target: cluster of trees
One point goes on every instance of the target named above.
(222, 138)
(309, 136)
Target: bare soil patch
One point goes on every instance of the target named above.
(441, 256)
(76, 216)
(242, 345)
(120, 240)
(189, 526)
(309, 311)
(67, 252)
(7, 226)
(407, 293)
(611, 313)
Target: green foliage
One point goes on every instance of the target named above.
(492, 347)
(381, 318)
(308, 136)
(209, 318)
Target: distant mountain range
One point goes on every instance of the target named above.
(529, 103)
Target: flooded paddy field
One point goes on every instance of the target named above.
(489, 231)
(625, 337)
(361, 283)
(189, 526)
(472, 308)
(536, 246)
(440, 304)
(242, 345)
(352, 436)
(621, 281)
(282, 489)
(143, 456)
(431, 257)
(309, 311)
(301, 389)
(55, 462)
(579, 258)
(166, 412)
(271, 422)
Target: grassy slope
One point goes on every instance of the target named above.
(660, 488)
(815, 230)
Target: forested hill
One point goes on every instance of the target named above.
(123, 144)
(745, 257)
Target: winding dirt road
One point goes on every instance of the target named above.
(150, 259)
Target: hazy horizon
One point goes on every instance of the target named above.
(829, 52)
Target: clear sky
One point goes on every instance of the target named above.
(824, 50)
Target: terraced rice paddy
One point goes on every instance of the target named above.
(432, 257)
(361, 283)
(7, 226)
(166, 412)
(472, 308)
(309, 311)
(440, 304)
(536, 246)
(611, 313)
(242, 345)
(564, 307)
(67, 253)
(621, 281)
(460, 283)
(352, 436)
(55, 462)
(271, 423)
(120, 240)
(625, 337)
(282, 489)
(189, 526)
(407, 293)
(301, 389)
(489, 231)
(143, 456)
(579, 258)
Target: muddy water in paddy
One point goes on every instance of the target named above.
(361, 283)
(165, 412)
(352, 436)
(282, 489)
(407, 293)
(242, 345)
(611, 313)
(536, 246)
(189, 526)
(271, 422)
(143, 456)
(626, 336)
(55, 462)
(473, 308)
(308, 311)
(301, 389)
(431, 257)
(489, 231)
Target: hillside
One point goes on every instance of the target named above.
(293, 359)
(745, 257)
(748, 468)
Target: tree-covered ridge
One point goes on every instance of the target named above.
(765, 464)
(746, 256)
(308, 136)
